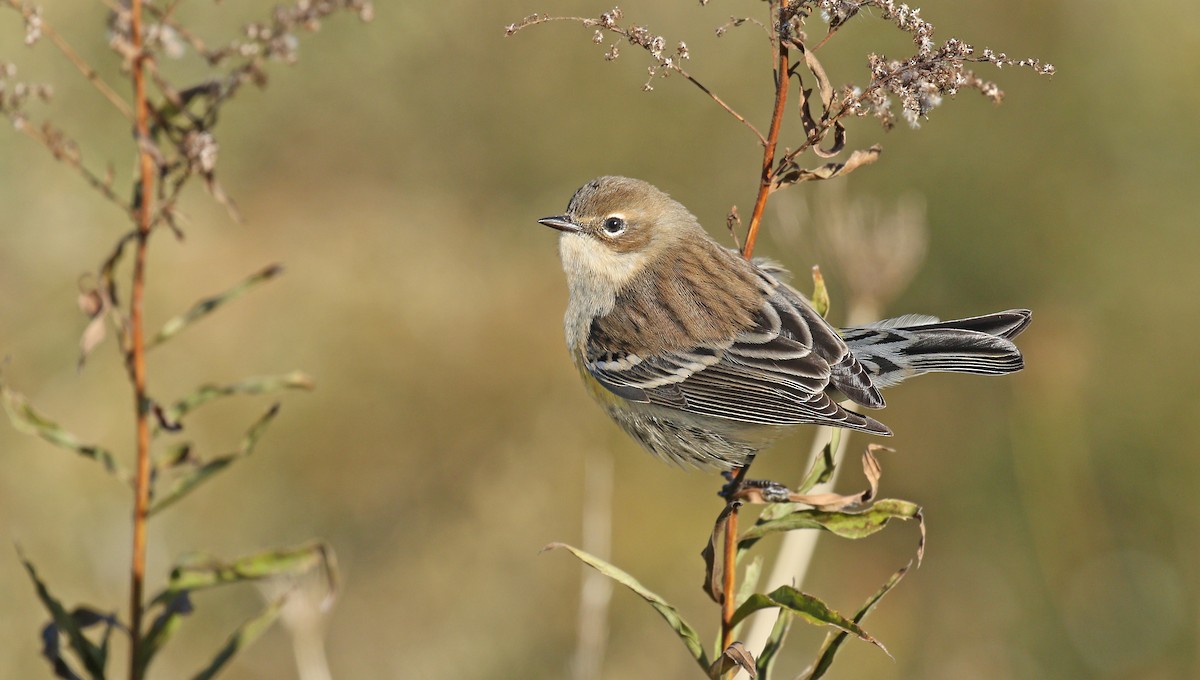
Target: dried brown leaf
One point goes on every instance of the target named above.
(794, 174)
(714, 569)
(735, 656)
(95, 303)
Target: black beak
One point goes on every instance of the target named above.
(561, 223)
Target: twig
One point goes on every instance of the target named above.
(729, 556)
(782, 78)
(137, 356)
(637, 36)
(104, 186)
(79, 62)
(761, 140)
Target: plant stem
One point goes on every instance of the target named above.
(137, 358)
(782, 60)
(782, 78)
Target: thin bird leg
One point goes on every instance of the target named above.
(735, 481)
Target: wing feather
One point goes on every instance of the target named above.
(776, 372)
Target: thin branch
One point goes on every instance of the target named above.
(782, 78)
(729, 557)
(137, 357)
(79, 62)
(641, 37)
(761, 140)
(764, 188)
(104, 186)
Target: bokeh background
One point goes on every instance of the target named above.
(397, 171)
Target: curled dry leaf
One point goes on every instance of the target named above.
(714, 569)
(771, 492)
(95, 303)
(794, 174)
(735, 656)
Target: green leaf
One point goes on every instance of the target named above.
(91, 655)
(822, 469)
(209, 305)
(196, 476)
(686, 633)
(165, 625)
(847, 524)
(199, 572)
(834, 641)
(807, 607)
(749, 580)
(774, 644)
(246, 633)
(262, 385)
(26, 419)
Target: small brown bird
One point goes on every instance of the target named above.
(705, 358)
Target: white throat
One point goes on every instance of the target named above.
(594, 275)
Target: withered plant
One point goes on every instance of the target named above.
(892, 88)
(174, 139)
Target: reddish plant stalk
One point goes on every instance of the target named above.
(729, 603)
(764, 186)
(137, 357)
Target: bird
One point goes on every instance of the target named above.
(705, 358)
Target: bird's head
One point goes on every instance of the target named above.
(616, 226)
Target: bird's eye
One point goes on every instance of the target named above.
(613, 226)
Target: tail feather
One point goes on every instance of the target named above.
(897, 349)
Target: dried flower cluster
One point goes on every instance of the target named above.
(635, 34)
(181, 138)
(15, 94)
(919, 83)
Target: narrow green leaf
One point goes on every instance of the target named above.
(822, 469)
(686, 633)
(749, 580)
(198, 572)
(165, 624)
(296, 380)
(807, 607)
(88, 653)
(847, 524)
(774, 644)
(196, 476)
(209, 305)
(26, 419)
(834, 641)
(246, 633)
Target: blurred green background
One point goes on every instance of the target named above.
(397, 171)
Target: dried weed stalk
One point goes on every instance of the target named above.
(175, 142)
